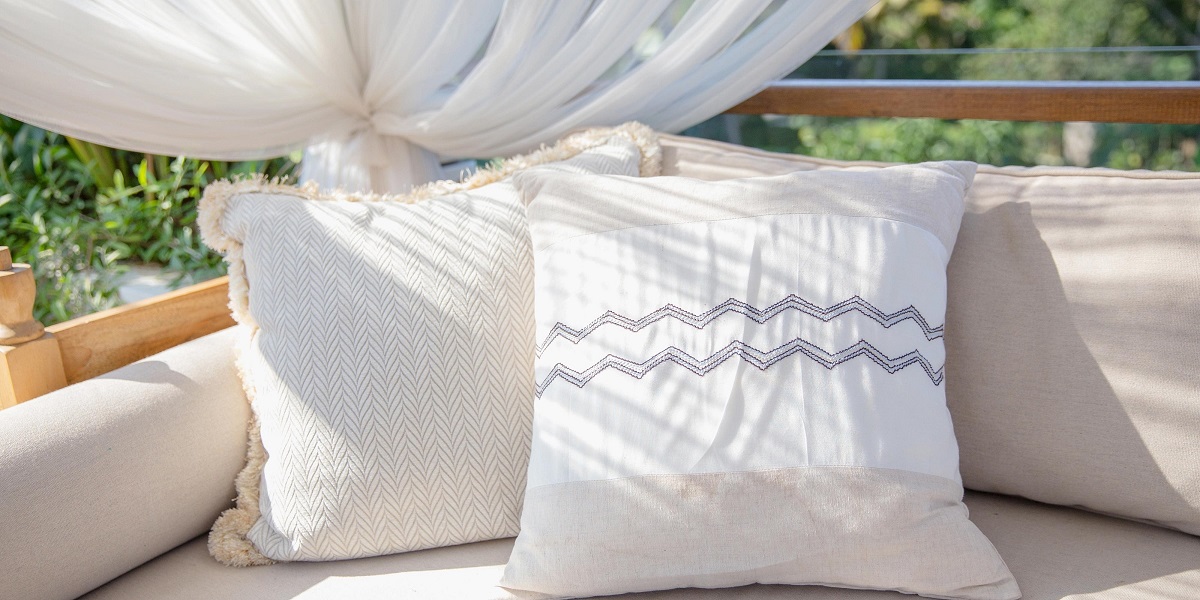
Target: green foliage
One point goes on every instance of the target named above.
(77, 212)
(906, 140)
(995, 24)
(1158, 147)
(1119, 146)
(1041, 24)
(1022, 24)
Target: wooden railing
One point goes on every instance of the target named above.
(100, 342)
(37, 362)
(1099, 101)
(34, 363)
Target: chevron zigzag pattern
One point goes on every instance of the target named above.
(716, 367)
(762, 360)
(792, 302)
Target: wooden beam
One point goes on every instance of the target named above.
(1098, 101)
(98, 343)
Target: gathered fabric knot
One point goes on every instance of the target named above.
(367, 143)
(366, 158)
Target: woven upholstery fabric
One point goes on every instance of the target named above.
(108, 473)
(1071, 329)
(742, 382)
(387, 355)
(1055, 553)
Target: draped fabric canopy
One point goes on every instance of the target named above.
(379, 92)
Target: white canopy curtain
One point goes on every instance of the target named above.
(379, 92)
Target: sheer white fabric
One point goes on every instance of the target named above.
(378, 92)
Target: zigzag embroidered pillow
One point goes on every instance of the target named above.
(388, 357)
(743, 382)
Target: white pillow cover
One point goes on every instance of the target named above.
(742, 382)
(387, 356)
(1058, 307)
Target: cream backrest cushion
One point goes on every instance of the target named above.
(1072, 330)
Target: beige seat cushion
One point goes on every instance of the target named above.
(1071, 330)
(1054, 553)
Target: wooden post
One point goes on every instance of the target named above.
(30, 361)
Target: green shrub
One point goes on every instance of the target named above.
(1116, 145)
(77, 212)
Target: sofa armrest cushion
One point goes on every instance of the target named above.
(106, 474)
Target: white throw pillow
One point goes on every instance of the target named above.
(742, 382)
(387, 356)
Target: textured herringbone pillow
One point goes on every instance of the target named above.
(742, 382)
(387, 357)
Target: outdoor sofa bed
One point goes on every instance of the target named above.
(1073, 341)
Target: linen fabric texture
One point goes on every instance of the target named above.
(1071, 329)
(1056, 553)
(387, 353)
(108, 473)
(742, 382)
